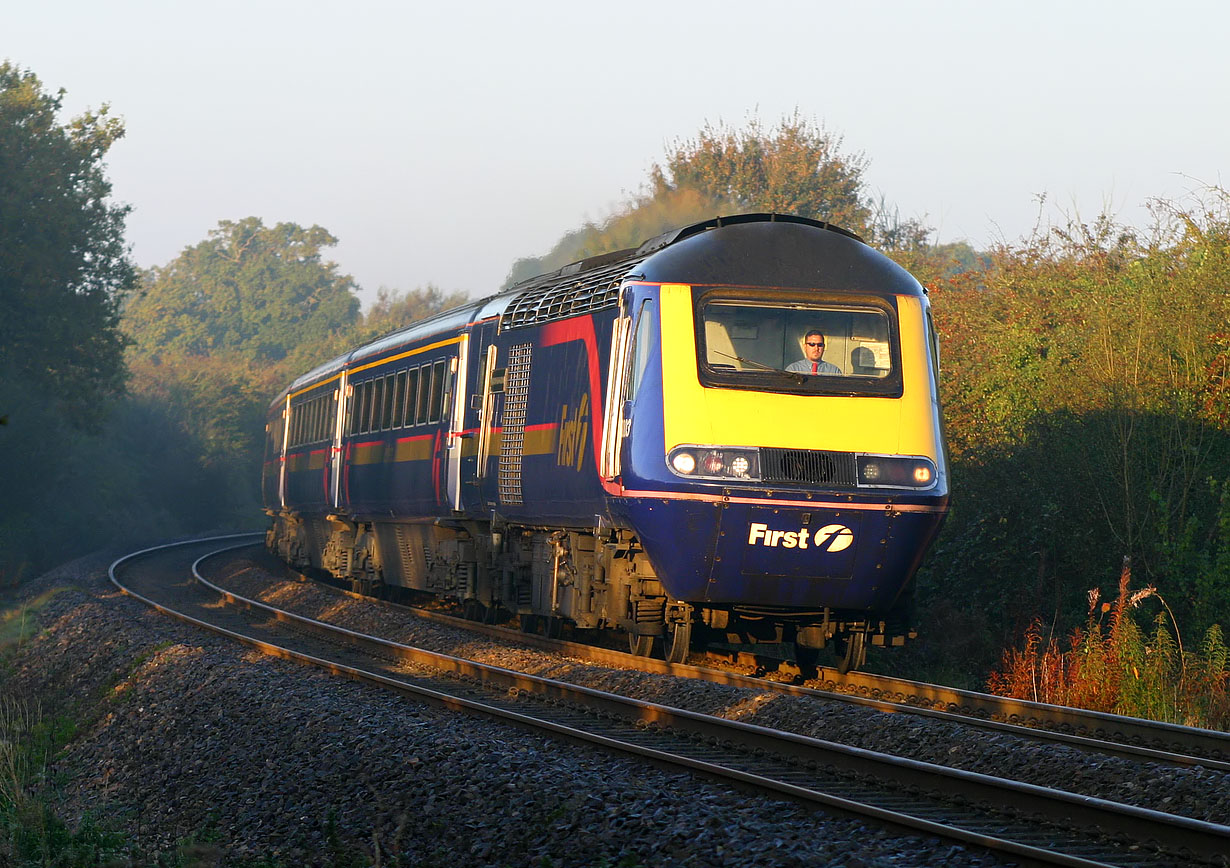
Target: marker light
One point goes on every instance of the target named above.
(895, 471)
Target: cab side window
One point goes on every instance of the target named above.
(644, 345)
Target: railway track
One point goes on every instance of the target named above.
(1094, 731)
(1023, 821)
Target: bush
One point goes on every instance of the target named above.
(1119, 668)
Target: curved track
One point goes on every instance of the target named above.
(1095, 731)
(1026, 822)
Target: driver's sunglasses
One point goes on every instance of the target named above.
(810, 344)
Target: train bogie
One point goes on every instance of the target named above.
(733, 430)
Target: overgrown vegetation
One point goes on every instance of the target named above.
(31, 831)
(1085, 397)
(1111, 664)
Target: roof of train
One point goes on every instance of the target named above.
(744, 249)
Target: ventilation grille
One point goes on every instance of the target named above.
(559, 296)
(512, 440)
(808, 466)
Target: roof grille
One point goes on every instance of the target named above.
(559, 295)
(808, 466)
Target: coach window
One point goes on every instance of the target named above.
(386, 409)
(412, 395)
(399, 399)
(424, 394)
(437, 389)
(352, 408)
(365, 409)
(377, 402)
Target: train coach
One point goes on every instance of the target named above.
(729, 433)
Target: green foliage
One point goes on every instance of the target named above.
(31, 833)
(636, 222)
(1084, 389)
(63, 261)
(249, 289)
(217, 333)
(797, 168)
(394, 309)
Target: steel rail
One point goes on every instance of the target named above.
(725, 744)
(1094, 731)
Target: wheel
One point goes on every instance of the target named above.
(641, 646)
(855, 653)
(473, 610)
(553, 626)
(677, 642)
(529, 623)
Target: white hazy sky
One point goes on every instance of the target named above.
(439, 142)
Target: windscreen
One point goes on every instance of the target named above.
(780, 345)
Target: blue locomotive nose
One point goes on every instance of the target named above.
(805, 557)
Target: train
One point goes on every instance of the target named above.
(729, 434)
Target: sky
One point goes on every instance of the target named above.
(440, 142)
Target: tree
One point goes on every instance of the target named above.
(638, 221)
(254, 290)
(64, 265)
(393, 309)
(795, 168)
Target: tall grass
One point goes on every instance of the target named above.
(1112, 664)
(31, 833)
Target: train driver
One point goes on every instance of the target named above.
(813, 349)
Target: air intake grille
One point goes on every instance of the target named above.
(512, 440)
(808, 467)
(559, 296)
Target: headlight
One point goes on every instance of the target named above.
(684, 463)
(893, 471)
(715, 462)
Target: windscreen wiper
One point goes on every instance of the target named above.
(795, 376)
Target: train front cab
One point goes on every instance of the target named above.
(779, 505)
